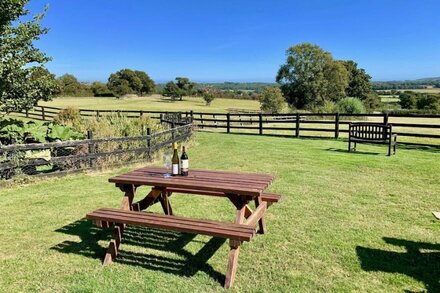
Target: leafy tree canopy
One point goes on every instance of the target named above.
(311, 76)
(127, 81)
(23, 78)
(272, 100)
(182, 87)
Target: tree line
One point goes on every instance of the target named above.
(310, 78)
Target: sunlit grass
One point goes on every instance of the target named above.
(348, 222)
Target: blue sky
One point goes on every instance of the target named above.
(238, 40)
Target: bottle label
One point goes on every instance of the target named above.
(185, 165)
(175, 170)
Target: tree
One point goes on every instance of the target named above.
(100, 89)
(148, 84)
(310, 76)
(208, 96)
(271, 100)
(23, 78)
(185, 85)
(359, 85)
(182, 87)
(172, 90)
(337, 78)
(408, 100)
(69, 85)
(124, 82)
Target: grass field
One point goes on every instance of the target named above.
(348, 222)
(153, 103)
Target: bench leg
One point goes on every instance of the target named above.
(261, 222)
(232, 266)
(235, 248)
(126, 204)
(389, 148)
(349, 146)
(113, 247)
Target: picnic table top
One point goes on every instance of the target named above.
(249, 184)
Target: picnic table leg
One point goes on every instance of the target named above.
(235, 249)
(261, 222)
(113, 247)
(164, 201)
(147, 201)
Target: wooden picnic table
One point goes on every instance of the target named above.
(239, 188)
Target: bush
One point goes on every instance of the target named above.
(408, 100)
(208, 97)
(428, 102)
(69, 116)
(351, 106)
(327, 107)
(272, 100)
(100, 89)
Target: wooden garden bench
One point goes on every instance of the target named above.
(239, 188)
(366, 132)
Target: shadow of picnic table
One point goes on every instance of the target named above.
(421, 261)
(187, 264)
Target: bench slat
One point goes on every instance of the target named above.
(205, 227)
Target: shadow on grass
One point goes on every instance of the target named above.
(352, 152)
(187, 264)
(421, 261)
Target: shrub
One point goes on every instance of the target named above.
(351, 106)
(428, 102)
(327, 107)
(100, 89)
(408, 100)
(208, 97)
(69, 116)
(272, 100)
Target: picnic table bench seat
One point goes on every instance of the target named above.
(238, 232)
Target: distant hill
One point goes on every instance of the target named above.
(430, 82)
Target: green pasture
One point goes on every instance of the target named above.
(347, 222)
(153, 103)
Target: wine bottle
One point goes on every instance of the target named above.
(184, 163)
(175, 161)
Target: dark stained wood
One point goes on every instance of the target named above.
(214, 181)
(256, 215)
(150, 199)
(234, 249)
(261, 223)
(367, 132)
(205, 227)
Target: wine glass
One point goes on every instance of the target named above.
(167, 164)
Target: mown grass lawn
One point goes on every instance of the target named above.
(348, 222)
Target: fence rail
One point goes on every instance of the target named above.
(415, 129)
(68, 156)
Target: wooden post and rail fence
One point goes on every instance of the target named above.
(419, 129)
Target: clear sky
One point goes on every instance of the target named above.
(238, 40)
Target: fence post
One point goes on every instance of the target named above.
(297, 125)
(385, 118)
(260, 116)
(228, 123)
(43, 114)
(149, 142)
(92, 161)
(173, 133)
(161, 118)
(337, 125)
(141, 113)
(27, 113)
(97, 113)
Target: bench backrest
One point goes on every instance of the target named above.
(370, 131)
